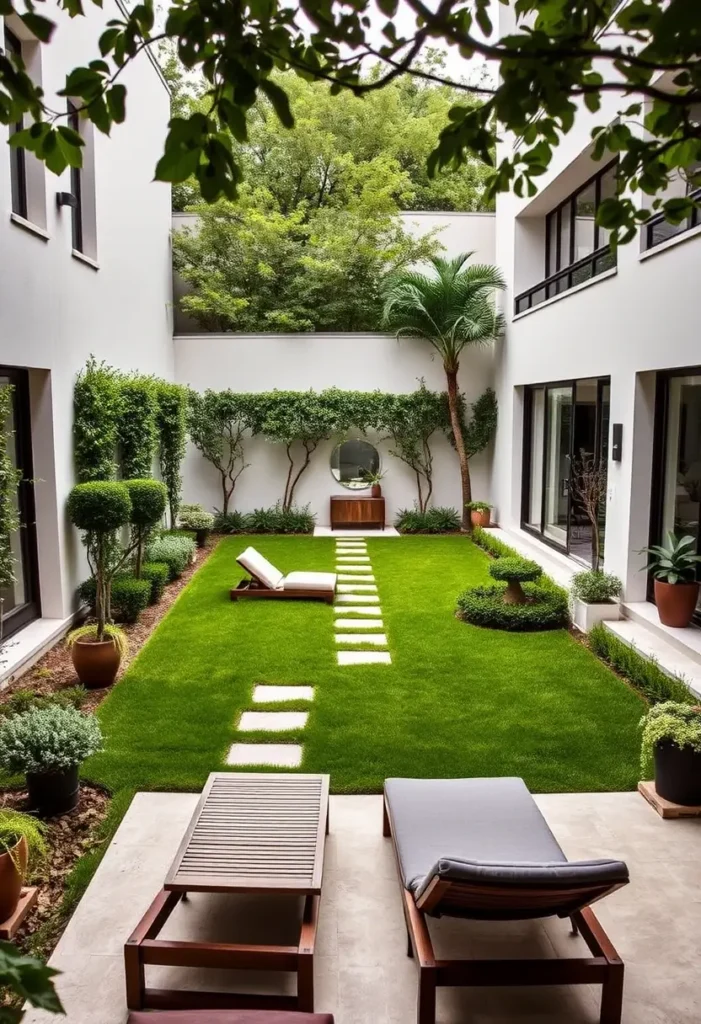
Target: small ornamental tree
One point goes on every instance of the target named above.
(172, 434)
(299, 420)
(410, 422)
(218, 422)
(588, 484)
(515, 571)
(97, 402)
(137, 426)
(10, 478)
(148, 504)
(99, 509)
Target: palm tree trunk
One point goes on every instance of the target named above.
(452, 376)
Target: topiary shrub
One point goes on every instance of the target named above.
(514, 572)
(129, 596)
(175, 552)
(433, 520)
(148, 504)
(157, 575)
(100, 506)
(545, 607)
(195, 517)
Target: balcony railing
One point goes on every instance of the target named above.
(658, 230)
(577, 273)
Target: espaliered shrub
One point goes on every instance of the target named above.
(157, 575)
(643, 673)
(137, 428)
(175, 552)
(97, 404)
(432, 520)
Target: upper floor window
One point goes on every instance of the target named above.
(18, 165)
(657, 230)
(76, 185)
(83, 212)
(576, 247)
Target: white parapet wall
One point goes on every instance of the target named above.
(298, 362)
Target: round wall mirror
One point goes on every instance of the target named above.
(353, 461)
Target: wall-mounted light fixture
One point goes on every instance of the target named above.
(66, 199)
(617, 442)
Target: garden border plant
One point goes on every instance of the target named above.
(644, 674)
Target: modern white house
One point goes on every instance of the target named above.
(85, 269)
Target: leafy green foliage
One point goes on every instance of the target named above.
(669, 722)
(26, 699)
(217, 422)
(148, 504)
(156, 573)
(174, 551)
(674, 561)
(545, 608)
(100, 506)
(9, 482)
(642, 672)
(15, 825)
(278, 519)
(172, 434)
(554, 66)
(89, 632)
(595, 587)
(138, 425)
(230, 522)
(522, 570)
(479, 506)
(47, 740)
(29, 979)
(97, 403)
(492, 545)
(195, 517)
(129, 595)
(432, 520)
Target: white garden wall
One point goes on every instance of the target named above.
(357, 362)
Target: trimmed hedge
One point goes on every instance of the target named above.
(175, 551)
(129, 596)
(99, 506)
(441, 519)
(644, 674)
(492, 545)
(518, 570)
(157, 575)
(546, 608)
(148, 501)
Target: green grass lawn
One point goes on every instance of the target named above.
(456, 701)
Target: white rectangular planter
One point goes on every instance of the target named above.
(586, 616)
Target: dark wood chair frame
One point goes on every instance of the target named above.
(604, 967)
(254, 588)
(143, 948)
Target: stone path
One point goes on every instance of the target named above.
(358, 632)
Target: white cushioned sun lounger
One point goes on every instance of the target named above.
(267, 581)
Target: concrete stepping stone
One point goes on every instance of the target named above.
(357, 609)
(357, 599)
(376, 639)
(363, 658)
(279, 755)
(349, 588)
(263, 694)
(359, 623)
(273, 721)
(352, 568)
(352, 558)
(351, 547)
(350, 577)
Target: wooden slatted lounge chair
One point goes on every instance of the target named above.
(481, 849)
(268, 582)
(250, 833)
(229, 1017)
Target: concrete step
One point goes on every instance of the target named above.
(650, 644)
(685, 641)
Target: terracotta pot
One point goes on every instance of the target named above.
(13, 867)
(375, 491)
(481, 518)
(96, 664)
(676, 602)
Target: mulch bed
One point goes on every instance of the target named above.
(76, 833)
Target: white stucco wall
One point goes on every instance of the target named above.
(55, 310)
(642, 318)
(362, 362)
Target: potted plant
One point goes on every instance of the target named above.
(194, 517)
(672, 743)
(48, 745)
(22, 848)
(593, 593)
(515, 571)
(480, 513)
(99, 509)
(373, 481)
(673, 566)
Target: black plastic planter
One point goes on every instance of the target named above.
(678, 774)
(201, 538)
(52, 793)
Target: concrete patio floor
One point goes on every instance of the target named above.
(362, 973)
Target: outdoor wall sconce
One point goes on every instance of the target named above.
(617, 442)
(66, 199)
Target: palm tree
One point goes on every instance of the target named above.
(452, 307)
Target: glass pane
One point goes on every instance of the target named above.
(14, 595)
(565, 235)
(535, 499)
(584, 445)
(552, 245)
(585, 208)
(682, 471)
(608, 191)
(557, 463)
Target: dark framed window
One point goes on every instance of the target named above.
(18, 166)
(657, 229)
(76, 185)
(20, 603)
(561, 420)
(576, 247)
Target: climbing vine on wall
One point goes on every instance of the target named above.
(172, 433)
(97, 402)
(137, 426)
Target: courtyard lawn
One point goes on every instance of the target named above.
(456, 700)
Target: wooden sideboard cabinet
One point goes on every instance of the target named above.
(355, 511)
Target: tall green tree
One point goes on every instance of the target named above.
(556, 58)
(451, 306)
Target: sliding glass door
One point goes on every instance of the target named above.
(20, 601)
(564, 422)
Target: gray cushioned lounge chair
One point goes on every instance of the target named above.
(481, 849)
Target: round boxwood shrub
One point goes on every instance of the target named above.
(157, 575)
(544, 608)
(100, 506)
(129, 596)
(514, 572)
(148, 501)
